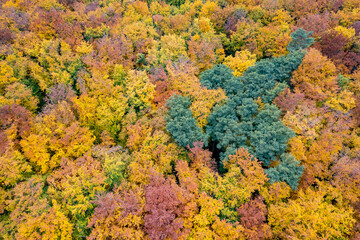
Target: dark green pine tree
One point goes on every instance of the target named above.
(288, 170)
(216, 77)
(270, 136)
(300, 40)
(181, 123)
(240, 122)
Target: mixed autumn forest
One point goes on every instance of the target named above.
(180, 119)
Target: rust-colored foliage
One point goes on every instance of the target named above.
(253, 217)
(163, 209)
(163, 91)
(317, 23)
(51, 23)
(202, 52)
(119, 215)
(336, 46)
(115, 51)
(5, 35)
(16, 122)
(346, 178)
(201, 157)
(287, 100)
(356, 26)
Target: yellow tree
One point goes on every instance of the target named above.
(169, 48)
(50, 141)
(315, 214)
(241, 61)
(150, 149)
(139, 90)
(244, 176)
(316, 76)
(52, 224)
(103, 104)
(119, 214)
(31, 217)
(75, 185)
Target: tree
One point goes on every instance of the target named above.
(316, 76)
(240, 62)
(356, 26)
(287, 100)
(232, 20)
(169, 48)
(312, 215)
(180, 122)
(244, 176)
(151, 149)
(177, 3)
(77, 184)
(14, 168)
(119, 214)
(316, 23)
(345, 178)
(288, 170)
(270, 136)
(269, 77)
(20, 94)
(254, 126)
(102, 105)
(51, 140)
(6, 76)
(206, 217)
(26, 206)
(216, 77)
(16, 124)
(300, 40)
(275, 193)
(202, 52)
(204, 100)
(115, 50)
(247, 120)
(139, 90)
(116, 168)
(163, 89)
(52, 224)
(253, 215)
(201, 157)
(339, 48)
(163, 209)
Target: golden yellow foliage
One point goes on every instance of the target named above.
(316, 76)
(52, 224)
(240, 62)
(51, 141)
(208, 8)
(139, 90)
(19, 94)
(346, 32)
(276, 192)
(203, 103)
(6, 76)
(312, 216)
(343, 101)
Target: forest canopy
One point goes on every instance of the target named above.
(179, 119)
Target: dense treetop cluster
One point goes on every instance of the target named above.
(179, 119)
